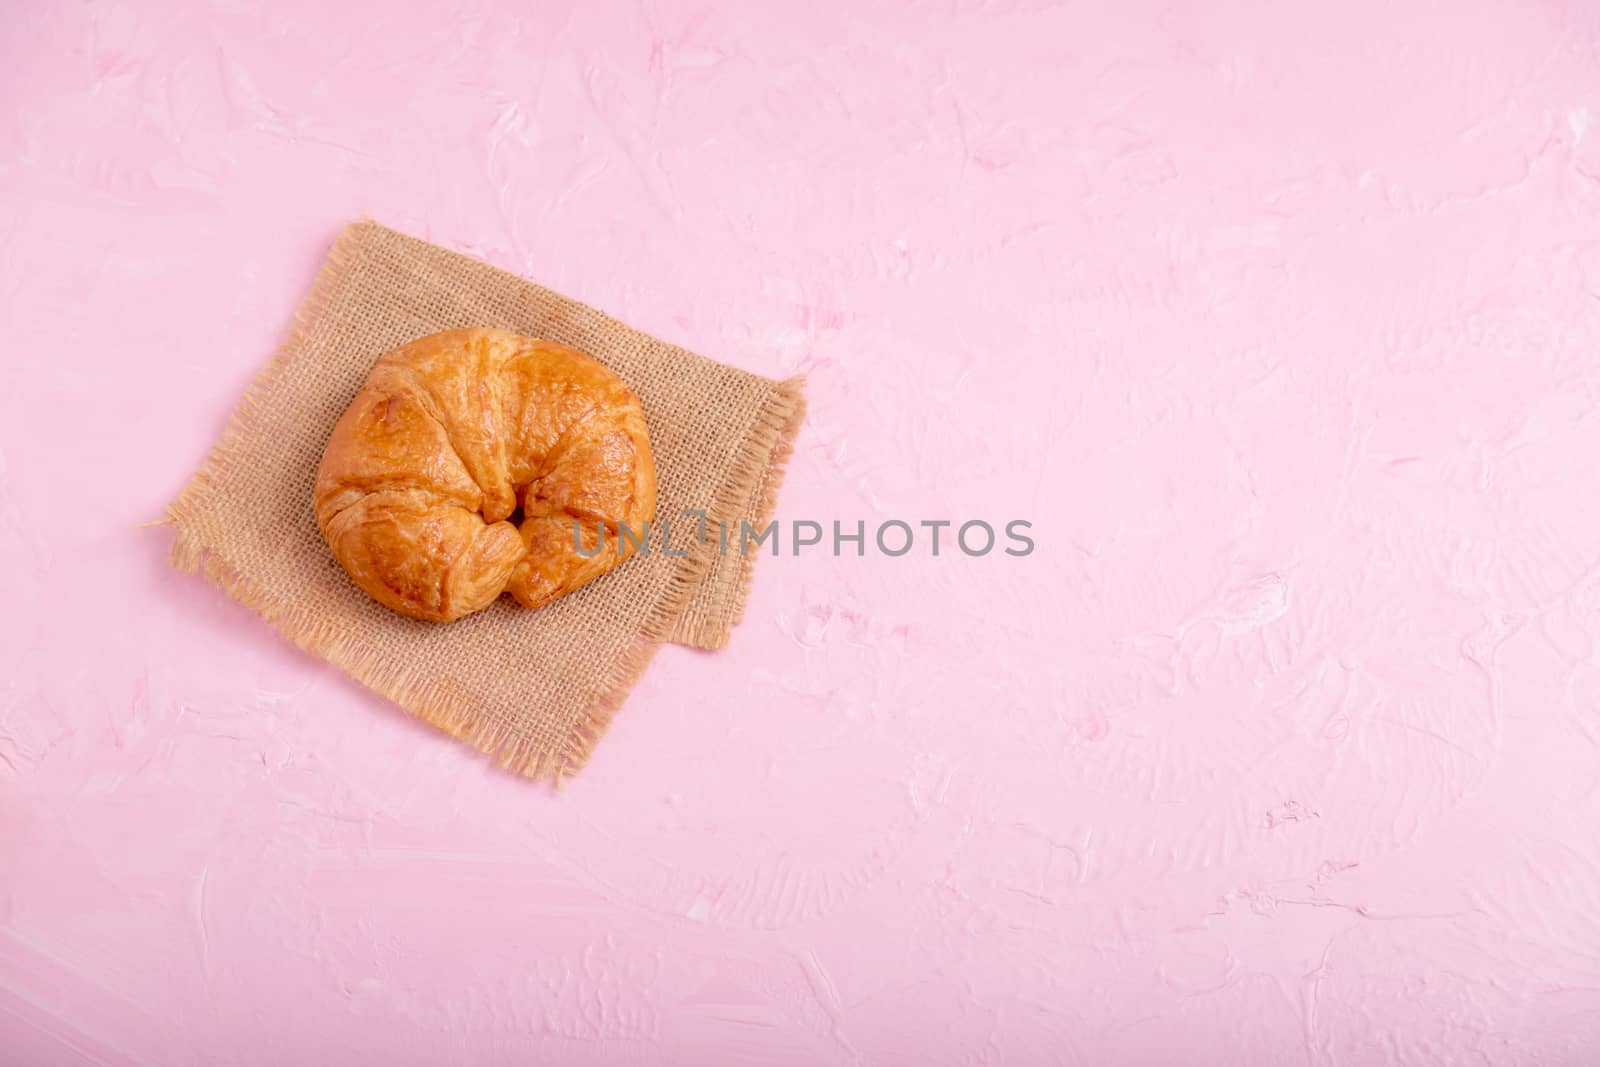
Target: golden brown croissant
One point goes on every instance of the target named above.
(447, 437)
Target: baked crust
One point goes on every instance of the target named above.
(447, 438)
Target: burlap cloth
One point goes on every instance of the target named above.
(534, 689)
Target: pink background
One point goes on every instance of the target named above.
(1283, 327)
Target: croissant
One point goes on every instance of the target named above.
(424, 473)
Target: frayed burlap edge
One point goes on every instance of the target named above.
(715, 631)
(757, 472)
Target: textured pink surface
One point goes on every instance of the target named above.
(1281, 749)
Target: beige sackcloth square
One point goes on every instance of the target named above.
(534, 689)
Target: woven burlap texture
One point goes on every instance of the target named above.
(534, 689)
